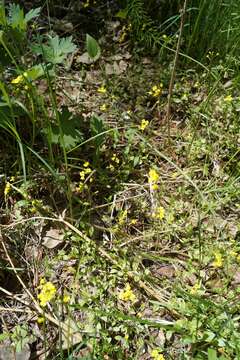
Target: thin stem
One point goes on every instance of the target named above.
(170, 90)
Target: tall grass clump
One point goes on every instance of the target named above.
(212, 26)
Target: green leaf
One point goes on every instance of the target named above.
(97, 128)
(32, 14)
(35, 72)
(56, 50)
(122, 14)
(212, 354)
(93, 48)
(16, 17)
(3, 20)
(69, 130)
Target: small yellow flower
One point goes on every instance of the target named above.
(82, 175)
(102, 90)
(80, 186)
(153, 176)
(103, 107)
(156, 355)
(47, 292)
(133, 222)
(66, 299)
(228, 99)
(143, 125)
(115, 158)
(7, 189)
(88, 170)
(40, 320)
(86, 4)
(111, 167)
(218, 262)
(127, 294)
(159, 213)
(86, 164)
(156, 90)
(195, 288)
(18, 79)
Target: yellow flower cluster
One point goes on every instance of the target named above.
(156, 90)
(143, 125)
(156, 355)
(85, 175)
(159, 213)
(116, 161)
(47, 292)
(87, 170)
(102, 89)
(218, 262)
(153, 178)
(127, 294)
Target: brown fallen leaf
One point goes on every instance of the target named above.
(53, 238)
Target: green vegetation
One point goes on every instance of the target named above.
(120, 239)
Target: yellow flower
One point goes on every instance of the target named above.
(195, 288)
(86, 164)
(115, 158)
(40, 320)
(18, 79)
(143, 125)
(102, 90)
(103, 107)
(127, 294)
(66, 299)
(86, 4)
(133, 222)
(218, 262)
(159, 213)
(47, 292)
(82, 175)
(7, 189)
(153, 178)
(228, 99)
(156, 90)
(156, 355)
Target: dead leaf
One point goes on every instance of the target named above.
(9, 353)
(53, 238)
(84, 59)
(116, 68)
(167, 271)
(236, 278)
